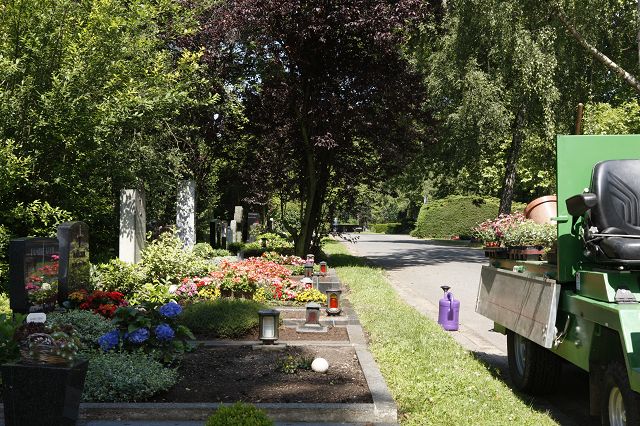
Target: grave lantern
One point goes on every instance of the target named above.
(308, 269)
(268, 324)
(333, 301)
(312, 314)
(323, 269)
(311, 258)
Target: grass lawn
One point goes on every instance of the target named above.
(433, 380)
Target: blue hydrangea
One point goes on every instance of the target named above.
(164, 332)
(109, 340)
(138, 336)
(170, 310)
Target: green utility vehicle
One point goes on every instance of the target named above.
(581, 305)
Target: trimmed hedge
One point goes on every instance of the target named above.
(456, 215)
(387, 228)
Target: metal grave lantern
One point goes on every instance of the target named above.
(312, 314)
(333, 301)
(308, 269)
(268, 325)
(323, 269)
(311, 258)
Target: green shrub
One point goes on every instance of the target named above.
(456, 215)
(205, 251)
(165, 259)
(121, 376)
(38, 218)
(239, 414)
(222, 317)
(88, 325)
(117, 275)
(4, 304)
(235, 248)
(388, 228)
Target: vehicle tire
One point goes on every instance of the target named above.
(534, 369)
(619, 405)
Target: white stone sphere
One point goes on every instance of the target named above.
(320, 365)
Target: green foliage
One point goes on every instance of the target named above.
(236, 247)
(165, 260)
(151, 295)
(290, 364)
(530, 233)
(416, 358)
(117, 275)
(222, 317)
(4, 303)
(125, 377)
(94, 97)
(387, 228)
(455, 215)
(205, 251)
(239, 414)
(605, 119)
(9, 349)
(38, 218)
(88, 326)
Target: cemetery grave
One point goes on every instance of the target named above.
(155, 347)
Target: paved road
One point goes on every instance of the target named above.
(417, 269)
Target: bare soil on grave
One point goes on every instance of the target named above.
(290, 334)
(239, 373)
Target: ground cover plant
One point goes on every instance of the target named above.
(426, 370)
(222, 318)
(239, 414)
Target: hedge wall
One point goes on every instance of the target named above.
(456, 215)
(387, 228)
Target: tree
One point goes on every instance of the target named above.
(95, 96)
(492, 90)
(331, 98)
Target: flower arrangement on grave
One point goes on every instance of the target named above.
(42, 285)
(155, 332)
(104, 303)
(40, 343)
(294, 263)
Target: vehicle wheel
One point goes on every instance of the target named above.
(533, 369)
(620, 405)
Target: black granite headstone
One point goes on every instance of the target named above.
(32, 261)
(42, 394)
(74, 258)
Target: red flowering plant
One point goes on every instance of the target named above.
(104, 303)
(42, 285)
(294, 263)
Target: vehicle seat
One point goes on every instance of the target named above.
(617, 186)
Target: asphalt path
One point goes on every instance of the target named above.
(417, 268)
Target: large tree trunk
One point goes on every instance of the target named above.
(601, 57)
(510, 172)
(313, 198)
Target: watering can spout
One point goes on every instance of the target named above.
(448, 310)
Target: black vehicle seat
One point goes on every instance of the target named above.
(617, 185)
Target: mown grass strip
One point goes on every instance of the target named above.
(433, 380)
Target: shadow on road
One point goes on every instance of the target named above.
(433, 255)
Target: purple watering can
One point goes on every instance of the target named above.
(449, 310)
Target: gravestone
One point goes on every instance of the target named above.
(186, 213)
(133, 225)
(214, 234)
(74, 268)
(223, 234)
(33, 262)
(253, 221)
(232, 233)
(238, 216)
